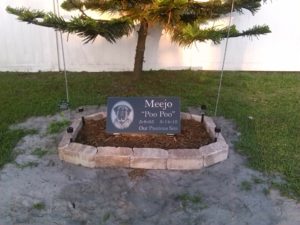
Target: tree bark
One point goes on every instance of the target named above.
(140, 48)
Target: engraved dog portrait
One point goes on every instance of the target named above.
(122, 115)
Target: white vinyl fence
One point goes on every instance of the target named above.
(32, 48)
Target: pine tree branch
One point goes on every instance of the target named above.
(255, 31)
(85, 27)
(191, 11)
(104, 5)
(191, 33)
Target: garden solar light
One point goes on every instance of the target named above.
(203, 109)
(217, 132)
(70, 130)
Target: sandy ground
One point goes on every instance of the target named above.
(43, 190)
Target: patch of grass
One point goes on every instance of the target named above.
(30, 131)
(39, 206)
(57, 126)
(106, 217)
(257, 180)
(39, 152)
(187, 199)
(8, 140)
(246, 185)
(270, 139)
(266, 191)
(195, 199)
(27, 165)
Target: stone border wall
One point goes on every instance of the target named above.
(142, 158)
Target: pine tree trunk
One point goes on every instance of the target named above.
(140, 48)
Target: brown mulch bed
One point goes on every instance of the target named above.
(193, 135)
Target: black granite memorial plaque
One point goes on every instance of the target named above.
(143, 115)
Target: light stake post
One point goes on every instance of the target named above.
(70, 130)
(217, 132)
(203, 110)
